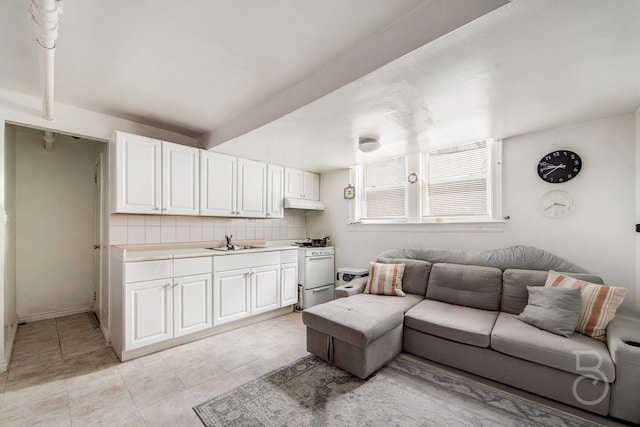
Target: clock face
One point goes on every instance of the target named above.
(559, 166)
(556, 204)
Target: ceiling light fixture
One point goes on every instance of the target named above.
(368, 144)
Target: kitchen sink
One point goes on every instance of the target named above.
(235, 248)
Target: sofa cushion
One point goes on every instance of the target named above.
(553, 309)
(467, 285)
(515, 282)
(403, 304)
(385, 279)
(416, 274)
(599, 303)
(454, 322)
(357, 321)
(515, 338)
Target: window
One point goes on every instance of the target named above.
(457, 184)
(385, 189)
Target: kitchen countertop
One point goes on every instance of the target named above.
(133, 255)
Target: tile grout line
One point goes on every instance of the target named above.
(130, 395)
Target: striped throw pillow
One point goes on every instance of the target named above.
(385, 279)
(599, 303)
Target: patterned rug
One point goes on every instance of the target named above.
(310, 392)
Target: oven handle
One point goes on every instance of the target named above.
(319, 290)
(319, 257)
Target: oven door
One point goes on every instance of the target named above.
(318, 271)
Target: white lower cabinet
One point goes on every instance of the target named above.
(289, 284)
(148, 313)
(231, 295)
(265, 288)
(165, 299)
(192, 296)
(159, 306)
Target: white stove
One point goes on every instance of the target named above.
(315, 275)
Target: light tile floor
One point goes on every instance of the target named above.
(62, 373)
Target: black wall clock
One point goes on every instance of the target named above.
(559, 166)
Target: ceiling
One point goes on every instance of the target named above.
(204, 66)
(185, 66)
(528, 66)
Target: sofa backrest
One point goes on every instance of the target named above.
(467, 285)
(416, 274)
(514, 286)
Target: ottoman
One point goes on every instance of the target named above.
(359, 336)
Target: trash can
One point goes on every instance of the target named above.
(346, 275)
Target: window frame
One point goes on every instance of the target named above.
(414, 202)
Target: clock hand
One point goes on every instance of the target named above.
(555, 204)
(562, 166)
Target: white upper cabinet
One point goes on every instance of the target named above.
(155, 177)
(252, 188)
(302, 184)
(275, 191)
(218, 184)
(232, 186)
(293, 183)
(138, 174)
(311, 186)
(180, 179)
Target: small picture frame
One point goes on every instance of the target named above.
(349, 192)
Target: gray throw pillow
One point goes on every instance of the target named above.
(553, 311)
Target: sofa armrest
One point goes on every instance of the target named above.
(623, 340)
(354, 287)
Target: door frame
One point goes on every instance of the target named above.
(98, 198)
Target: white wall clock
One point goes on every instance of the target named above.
(556, 204)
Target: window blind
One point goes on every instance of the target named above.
(385, 189)
(455, 181)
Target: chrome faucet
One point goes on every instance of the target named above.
(228, 238)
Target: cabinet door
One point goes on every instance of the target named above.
(218, 184)
(293, 183)
(311, 186)
(138, 174)
(252, 185)
(148, 316)
(193, 303)
(231, 295)
(180, 179)
(265, 288)
(275, 191)
(289, 284)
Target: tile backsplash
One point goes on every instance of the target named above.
(150, 229)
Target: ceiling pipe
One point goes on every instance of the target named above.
(49, 138)
(44, 17)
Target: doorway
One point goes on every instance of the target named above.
(59, 220)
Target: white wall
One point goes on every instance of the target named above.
(55, 225)
(598, 235)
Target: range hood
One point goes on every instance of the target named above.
(308, 205)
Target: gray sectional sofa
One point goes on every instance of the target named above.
(461, 309)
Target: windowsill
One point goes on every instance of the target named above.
(433, 227)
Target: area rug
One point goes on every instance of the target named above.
(310, 392)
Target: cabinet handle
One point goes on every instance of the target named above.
(155, 208)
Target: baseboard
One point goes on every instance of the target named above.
(8, 349)
(54, 314)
